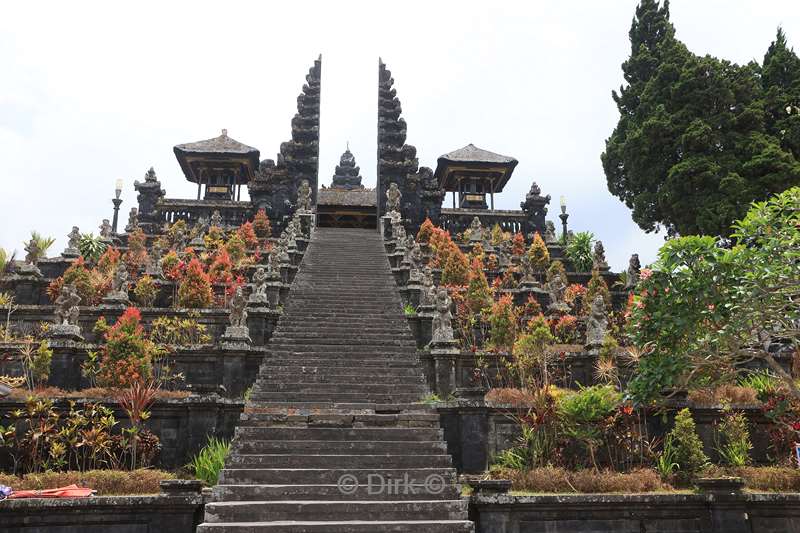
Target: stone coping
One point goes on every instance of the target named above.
(657, 498)
(139, 502)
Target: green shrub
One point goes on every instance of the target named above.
(762, 381)
(207, 464)
(733, 439)
(687, 446)
(580, 252)
(177, 331)
(146, 291)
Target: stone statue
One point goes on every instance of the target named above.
(105, 230)
(555, 287)
(304, 197)
(428, 293)
(119, 285)
(67, 309)
(153, 267)
(259, 294)
(216, 219)
(528, 277)
(550, 232)
(274, 263)
(599, 260)
(73, 243)
(393, 196)
(442, 318)
(32, 252)
(415, 259)
(133, 220)
(597, 323)
(634, 271)
(476, 230)
(180, 240)
(238, 309)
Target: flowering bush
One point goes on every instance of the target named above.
(518, 244)
(214, 239)
(502, 319)
(195, 288)
(456, 270)
(237, 248)
(479, 296)
(171, 266)
(146, 291)
(261, 225)
(425, 231)
(538, 254)
(136, 256)
(574, 296)
(221, 269)
(565, 329)
(126, 355)
(247, 234)
(86, 283)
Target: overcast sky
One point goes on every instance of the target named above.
(92, 92)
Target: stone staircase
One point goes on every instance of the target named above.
(333, 438)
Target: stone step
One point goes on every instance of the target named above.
(345, 338)
(362, 387)
(324, 378)
(350, 408)
(342, 397)
(325, 374)
(339, 434)
(284, 346)
(335, 510)
(323, 492)
(336, 418)
(326, 476)
(237, 460)
(355, 526)
(306, 447)
(286, 361)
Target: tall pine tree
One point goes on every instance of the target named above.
(693, 146)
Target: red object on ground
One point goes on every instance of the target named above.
(70, 491)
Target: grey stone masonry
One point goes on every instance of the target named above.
(334, 437)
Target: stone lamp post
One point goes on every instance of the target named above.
(564, 216)
(117, 202)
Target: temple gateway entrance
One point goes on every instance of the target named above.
(346, 203)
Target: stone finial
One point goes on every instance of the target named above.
(633, 272)
(597, 323)
(393, 196)
(347, 175)
(535, 207)
(599, 259)
(150, 175)
(442, 318)
(304, 197)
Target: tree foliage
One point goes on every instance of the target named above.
(704, 308)
(700, 138)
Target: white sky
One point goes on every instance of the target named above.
(95, 91)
